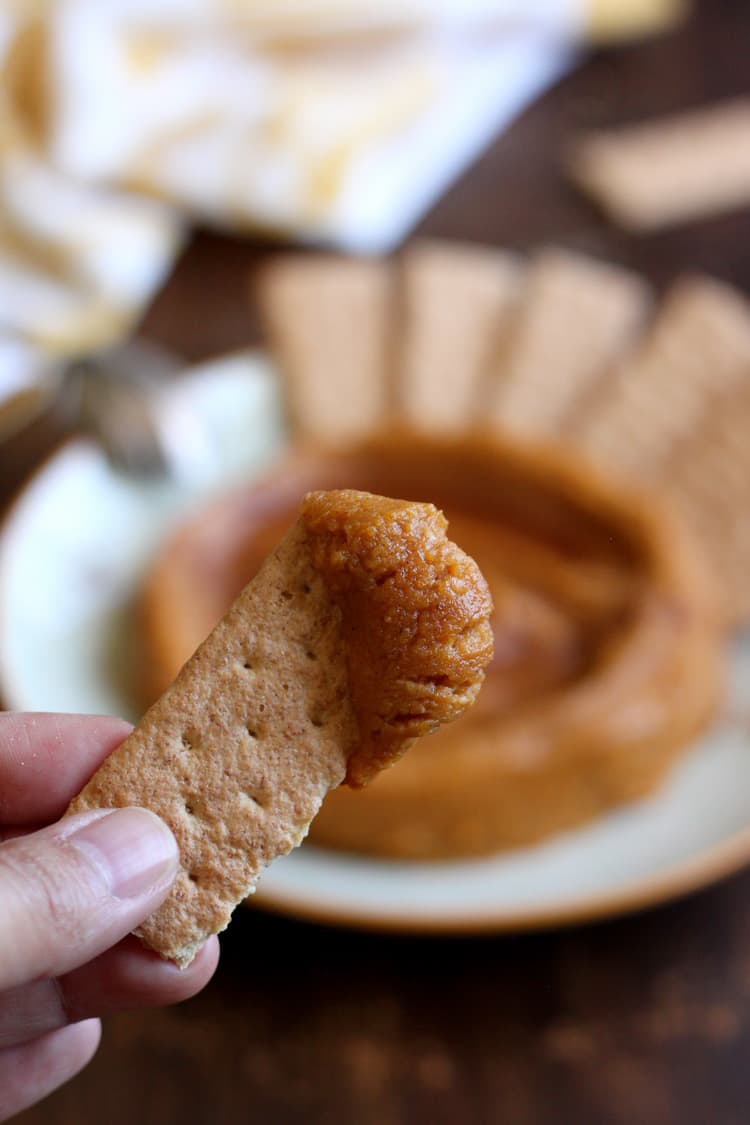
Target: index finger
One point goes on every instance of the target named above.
(45, 759)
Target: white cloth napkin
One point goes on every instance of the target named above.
(343, 140)
(327, 120)
(77, 260)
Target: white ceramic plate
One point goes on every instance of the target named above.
(72, 551)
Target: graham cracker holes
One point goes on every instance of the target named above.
(255, 801)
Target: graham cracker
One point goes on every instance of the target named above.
(576, 316)
(671, 170)
(364, 629)
(698, 348)
(455, 300)
(707, 476)
(329, 321)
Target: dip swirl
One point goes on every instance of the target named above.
(608, 647)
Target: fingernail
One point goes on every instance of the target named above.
(133, 848)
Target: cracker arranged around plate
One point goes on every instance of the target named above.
(330, 322)
(456, 301)
(575, 317)
(563, 348)
(365, 629)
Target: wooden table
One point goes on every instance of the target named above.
(643, 1021)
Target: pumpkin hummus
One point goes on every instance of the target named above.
(608, 648)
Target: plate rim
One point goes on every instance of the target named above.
(66, 443)
(698, 872)
(9, 515)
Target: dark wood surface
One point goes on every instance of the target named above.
(641, 1021)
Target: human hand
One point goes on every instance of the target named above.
(69, 894)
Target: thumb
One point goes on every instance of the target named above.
(72, 890)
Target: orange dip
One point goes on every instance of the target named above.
(608, 650)
(415, 611)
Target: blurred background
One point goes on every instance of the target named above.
(153, 166)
